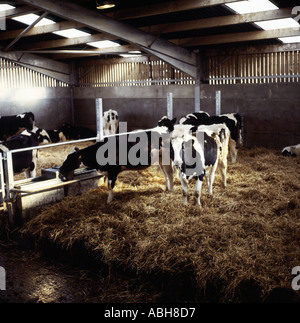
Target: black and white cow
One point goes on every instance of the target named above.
(219, 132)
(293, 151)
(25, 160)
(236, 133)
(110, 122)
(117, 153)
(49, 136)
(195, 156)
(194, 118)
(10, 125)
(166, 122)
(76, 132)
(233, 121)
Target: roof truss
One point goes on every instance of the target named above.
(181, 58)
(155, 39)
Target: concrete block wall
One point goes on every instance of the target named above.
(51, 106)
(140, 107)
(271, 111)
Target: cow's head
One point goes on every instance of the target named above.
(177, 148)
(111, 122)
(73, 161)
(288, 151)
(166, 122)
(188, 155)
(26, 120)
(239, 121)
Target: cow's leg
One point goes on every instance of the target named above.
(33, 163)
(197, 192)
(167, 170)
(223, 172)
(111, 184)
(165, 166)
(223, 164)
(211, 176)
(31, 171)
(232, 150)
(185, 188)
(170, 175)
(110, 194)
(208, 179)
(27, 173)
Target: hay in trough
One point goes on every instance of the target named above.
(246, 237)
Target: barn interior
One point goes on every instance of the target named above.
(189, 49)
(57, 57)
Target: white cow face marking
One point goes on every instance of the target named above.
(177, 149)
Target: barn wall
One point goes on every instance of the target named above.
(51, 106)
(141, 107)
(271, 111)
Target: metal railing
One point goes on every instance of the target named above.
(7, 181)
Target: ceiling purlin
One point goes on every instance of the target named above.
(187, 33)
(179, 57)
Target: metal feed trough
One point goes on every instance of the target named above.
(22, 198)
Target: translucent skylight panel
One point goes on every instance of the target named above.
(277, 24)
(71, 33)
(134, 53)
(243, 7)
(4, 7)
(31, 17)
(288, 40)
(104, 44)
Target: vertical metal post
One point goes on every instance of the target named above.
(170, 106)
(2, 20)
(2, 187)
(72, 105)
(9, 179)
(218, 103)
(99, 115)
(197, 96)
(200, 78)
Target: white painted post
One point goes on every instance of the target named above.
(170, 106)
(1, 179)
(197, 96)
(2, 278)
(99, 115)
(218, 103)
(9, 178)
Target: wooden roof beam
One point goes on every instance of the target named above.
(65, 53)
(172, 27)
(26, 30)
(19, 11)
(164, 8)
(55, 69)
(40, 29)
(218, 21)
(180, 58)
(237, 37)
(65, 42)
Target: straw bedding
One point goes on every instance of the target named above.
(244, 238)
